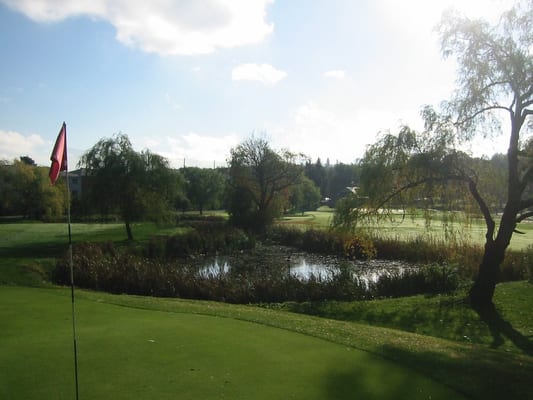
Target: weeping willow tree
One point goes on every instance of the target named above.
(495, 81)
(135, 185)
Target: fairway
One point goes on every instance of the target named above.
(127, 353)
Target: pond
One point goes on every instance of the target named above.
(299, 265)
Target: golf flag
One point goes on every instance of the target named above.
(59, 155)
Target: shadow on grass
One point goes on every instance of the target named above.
(500, 328)
(39, 250)
(446, 318)
(370, 382)
(29, 265)
(482, 373)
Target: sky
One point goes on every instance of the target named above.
(191, 79)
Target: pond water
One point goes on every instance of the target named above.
(304, 268)
(299, 265)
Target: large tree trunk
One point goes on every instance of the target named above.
(488, 276)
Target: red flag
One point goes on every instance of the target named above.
(59, 155)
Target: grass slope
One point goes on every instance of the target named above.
(164, 349)
(28, 250)
(444, 316)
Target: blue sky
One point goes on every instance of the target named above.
(191, 79)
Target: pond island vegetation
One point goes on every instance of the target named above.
(416, 236)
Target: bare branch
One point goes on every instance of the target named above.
(524, 216)
(481, 111)
(489, 221)
(527, 95)
(526, 177)
(414, 184)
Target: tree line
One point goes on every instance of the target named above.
(117, 181)
(259, 185)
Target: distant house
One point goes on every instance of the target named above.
(348, 190)
(77, 181)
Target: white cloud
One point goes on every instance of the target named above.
(194, 149)
(335, 74)
(327, 129)
(416, 15)
(264, 73)
(14, 144)
(166, 27)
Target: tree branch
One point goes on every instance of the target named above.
(414, 184)
(484, 209)
(524, 216)
(526, 177)
(526, 95)
(481, 111)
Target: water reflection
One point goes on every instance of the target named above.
(365, 271)
(302, 266)
(217, 268)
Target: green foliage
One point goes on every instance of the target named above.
(352, 246)
(349, 213)
(204, 187)
(340, 177)
(138, 186)
(495, 68)
(259, 183)
(323, 242)
(359, 247)
(25, 190)
(318, 174)
(304, 196)
(207, 238)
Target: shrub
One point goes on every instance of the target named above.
(205, 239)
(285, 235)
(432, 279)
(353, 246)
(359, 248)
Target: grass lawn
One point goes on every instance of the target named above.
(409, 227)
(444, 316)
(28, 250)
(164, 349)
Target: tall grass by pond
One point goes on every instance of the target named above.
(175, 266)
(255, 276)
(28, 253)
(463, 254)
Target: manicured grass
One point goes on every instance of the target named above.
(444, 316)
(408, 227)
(146, 348)
(28, 250)
(319, 219)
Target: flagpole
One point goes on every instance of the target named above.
(72, 280)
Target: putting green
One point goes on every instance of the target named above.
(128, 353)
